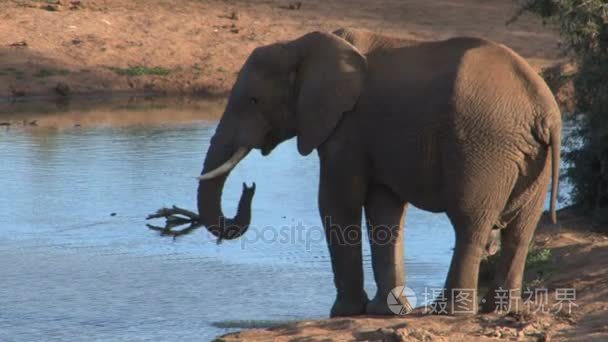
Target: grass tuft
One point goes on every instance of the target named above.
(141, 71)
(18, 74)
(42, 73)
(539, 264)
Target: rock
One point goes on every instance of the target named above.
(233, 16)
(50, 7)
(21, 43)
(295, 6)
(62, 89)
(75, 4)
(413, 334)
(16, 92)
(386, 331)
(5, 124)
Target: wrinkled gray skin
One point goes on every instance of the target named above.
(462, 126)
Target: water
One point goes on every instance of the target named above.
(71, 269)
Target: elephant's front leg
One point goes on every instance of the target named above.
(385, 214)
(340, 203)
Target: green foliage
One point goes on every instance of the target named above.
(583, 25)
(141, 70)
(42, 73)
(18, 74)
(537, 258)
(539, 264)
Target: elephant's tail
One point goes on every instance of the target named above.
(555, 164)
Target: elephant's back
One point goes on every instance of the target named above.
(464, 84)
(496, 93)
(370, 42)
(497, 105)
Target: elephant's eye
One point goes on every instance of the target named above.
(254, 100)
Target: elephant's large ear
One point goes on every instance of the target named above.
(329, 78)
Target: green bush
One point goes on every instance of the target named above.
(141, 70)
(539, 266)
(583, 25)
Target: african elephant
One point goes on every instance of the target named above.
(462, 126)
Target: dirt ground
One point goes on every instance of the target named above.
(59, 48)
(580, 261)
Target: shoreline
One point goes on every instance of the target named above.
(98, 96)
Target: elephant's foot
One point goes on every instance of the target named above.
(379, 306)
(343, 307)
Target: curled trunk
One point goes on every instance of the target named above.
(209, 197)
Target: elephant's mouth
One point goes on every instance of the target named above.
(270, 142)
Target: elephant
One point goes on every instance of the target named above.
(462, 126)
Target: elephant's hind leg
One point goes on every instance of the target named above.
(472, 233)
(477, 194)
(385, 214)
(505, 294)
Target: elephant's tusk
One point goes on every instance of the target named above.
(227, 166)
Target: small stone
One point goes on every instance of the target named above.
(21, 43)
(62, 89)
(295, 6)
(17, 92)
(50, 7)
(386, 331)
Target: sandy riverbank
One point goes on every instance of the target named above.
(67, 48)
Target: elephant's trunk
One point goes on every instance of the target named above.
(210, 196)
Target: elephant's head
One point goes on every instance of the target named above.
(298, 88)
